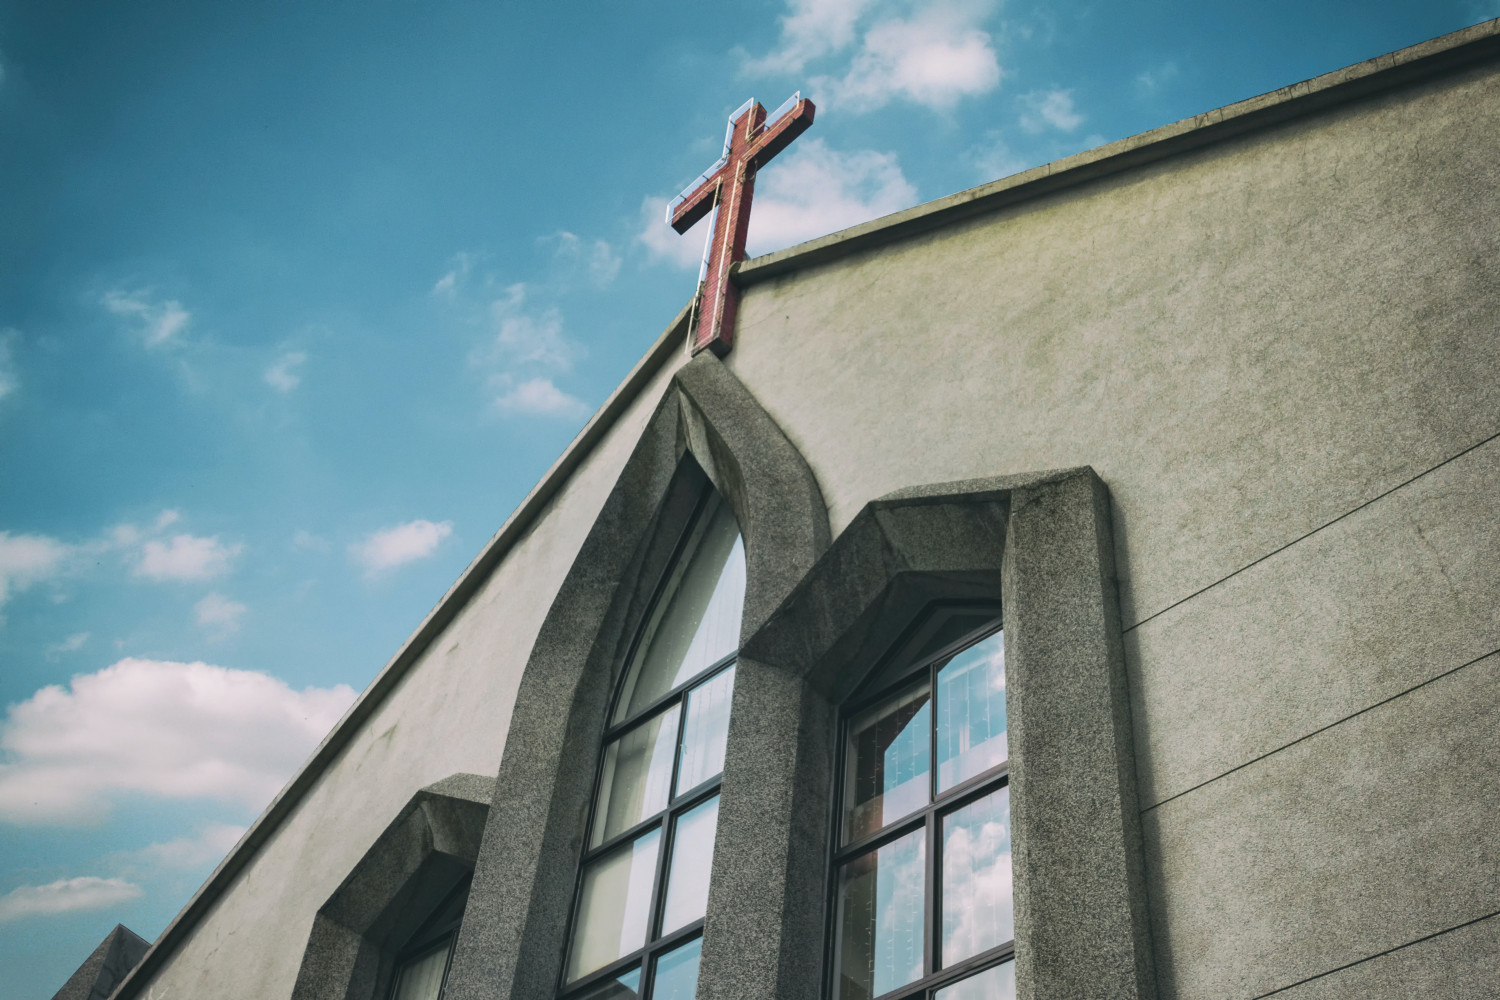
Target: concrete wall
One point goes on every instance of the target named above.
(1280, 353)
(449, 714)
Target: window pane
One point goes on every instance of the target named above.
(613, 906)
(637, 779)
(697, 620)
(692, 857)
(880, 918)
(677, 973)
(977, 912)
(998, 983)
(626, 986)
(887, 769)
(971, 712)
(422, 978)
(704, 732)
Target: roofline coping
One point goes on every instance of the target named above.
(1404, 66)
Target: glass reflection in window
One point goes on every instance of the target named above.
(887, 762)
(637, 921)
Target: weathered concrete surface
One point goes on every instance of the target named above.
(1245, 342)
(1360, 839)
(1393, 595)
(1461, 964)
(449, 714)
(102, 971)
(706, 429)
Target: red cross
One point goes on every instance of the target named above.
(728, 186)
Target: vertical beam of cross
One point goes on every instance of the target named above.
(728, 186)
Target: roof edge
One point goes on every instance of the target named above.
(1404, 66)
(447, 608)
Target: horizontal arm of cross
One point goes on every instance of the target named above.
(779, 134)
(697, 204)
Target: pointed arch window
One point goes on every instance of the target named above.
(643, 884)
(922, 862)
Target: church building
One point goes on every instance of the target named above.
(1082, 587)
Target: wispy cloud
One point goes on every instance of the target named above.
(10, 380)
(931, 53)
(1151, 80)
(536, 397)
(219, 615)
(1049, 109)
(390, 548)
(457, 275)
(159, 728)
(810, 29)
(71, 644)
(68, 895)
(208, 847)
(284, 375)
(26, 560)
(526, 336)
(995, 158)
(186, 557)
(158, 321)
(594, 260)
(524, 346)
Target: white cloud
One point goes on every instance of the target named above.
(1044, 109)
(663, 243)
(159, 321)
(9, 380)
(816, 190)
(537, 397)
(209, 847)
(159, 728)
(29, 559)
(219, 614)
(810, 29)
(166, 519)
(935, 58)
(283, 375)
(931, 52)
(69, 895)
(398, 545)
(186, 557)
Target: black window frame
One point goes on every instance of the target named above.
(439, 930)
(882, 684)
(678, 803)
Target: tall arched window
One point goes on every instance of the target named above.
(643, 884)
(921, 862)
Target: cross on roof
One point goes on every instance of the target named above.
(727, 186)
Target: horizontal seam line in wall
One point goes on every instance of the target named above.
(1379, 954)
(1323, 729)
(1314, 531)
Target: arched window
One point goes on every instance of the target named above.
(921, 861)
(643, 883)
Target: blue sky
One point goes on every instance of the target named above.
(297, 301)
